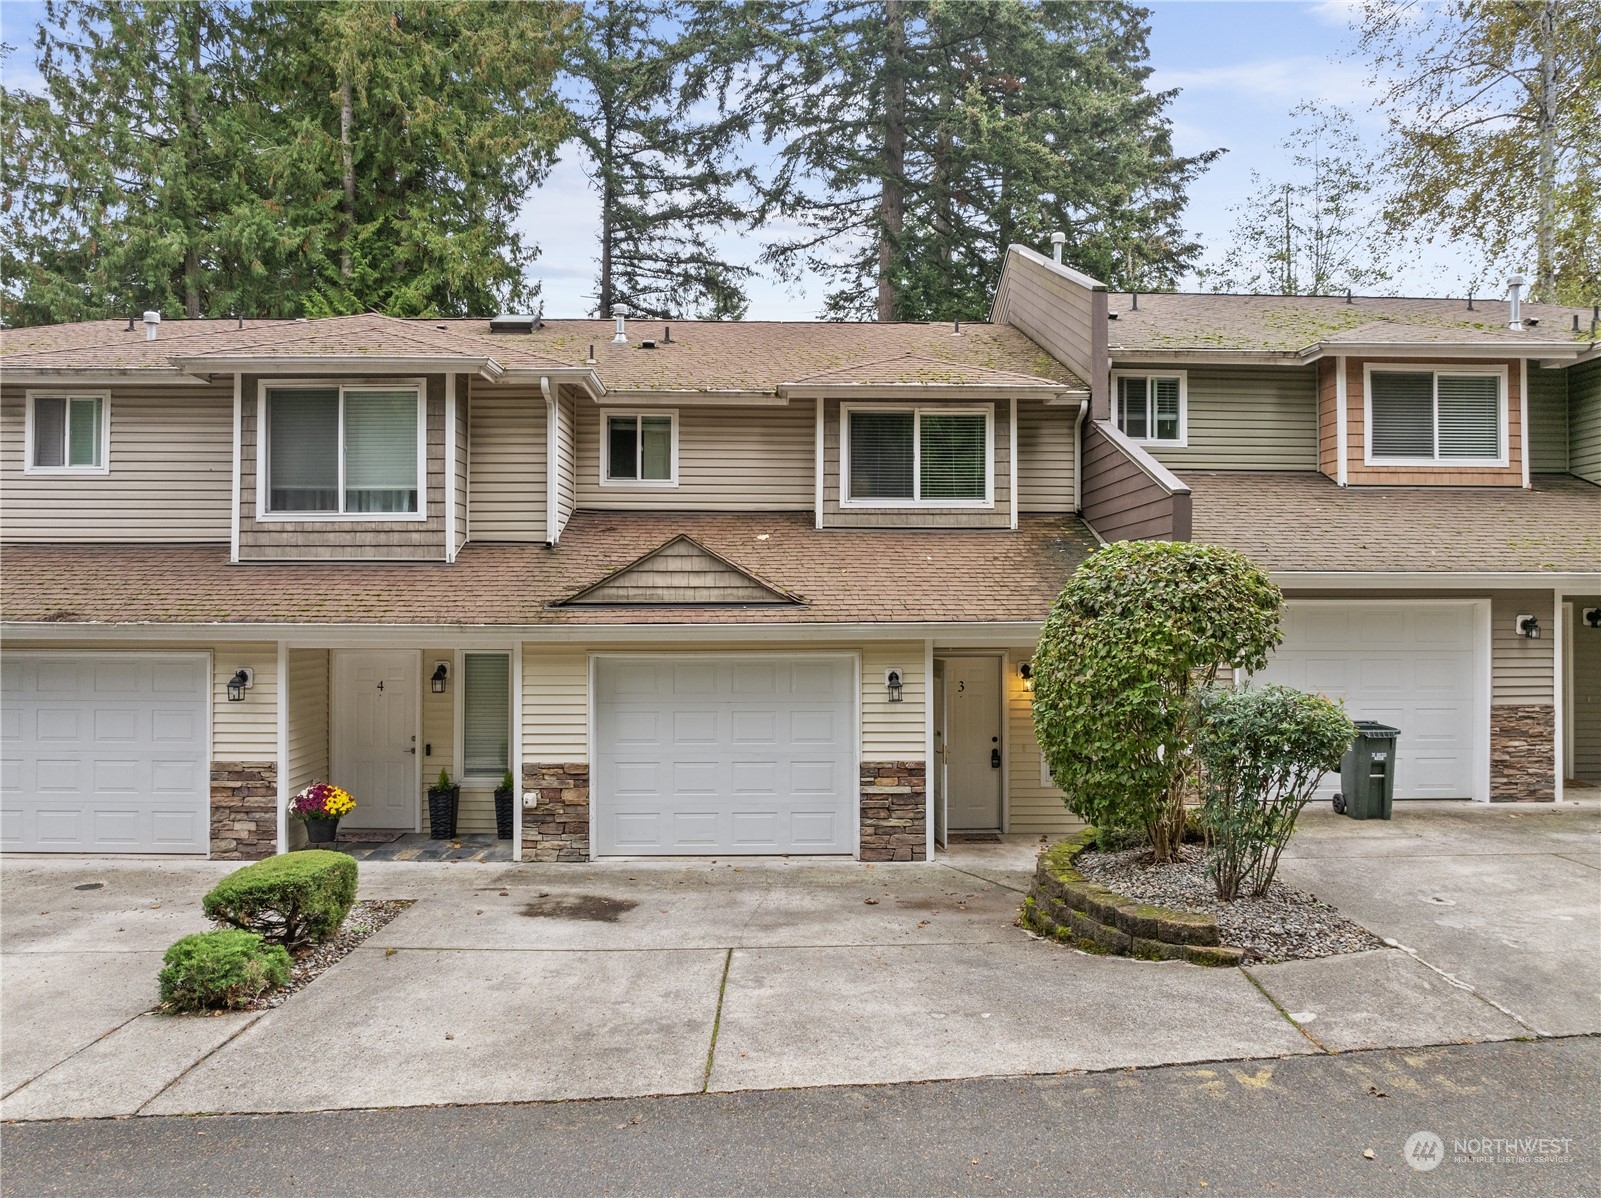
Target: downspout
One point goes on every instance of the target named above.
(1078, 457)
(552, 530)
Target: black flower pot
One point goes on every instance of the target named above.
(442, 806)
(503, 814)
(321, 831)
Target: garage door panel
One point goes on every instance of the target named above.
(106, 753)
(742, 755)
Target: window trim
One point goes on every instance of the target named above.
(987, 410)
(604, 455)
(1504, 418)
(458, 685)
(341, 385)
(1183, 377)
(28, 447)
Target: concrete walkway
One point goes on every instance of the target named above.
(638, 978)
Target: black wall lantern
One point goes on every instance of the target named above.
(893, 679)
(1025, 671)
(243, 679)
(436, 682)
(1529, 626)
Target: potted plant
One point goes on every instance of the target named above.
(320, 807)
(443, 799)
(503, 808)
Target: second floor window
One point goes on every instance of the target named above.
(639, 447)
(1150, 408)
(68, 432)
(1420, 417)
(935, 456)
(343, 451)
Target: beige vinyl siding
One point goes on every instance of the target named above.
(1584, 644)
(245, 731)
(836, 516)
(555, 704)
(1121, 501)
(1584, 421)
(170, 474)
(373, 540)
(1033, 805)
(567, 455)
(507, 448)
(1244, 418)
(463, 496)
(308, 718)
(1045, 437)
(729, 459)
(894, 731)
(1051, 310)
(1548, 420)
(1520, 668)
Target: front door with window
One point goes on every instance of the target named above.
(375, 736)
(972, 743)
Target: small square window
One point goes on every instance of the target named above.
(640, 448)
(68, 432)
(1150, 408)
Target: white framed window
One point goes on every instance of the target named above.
(639, 449)
(67, 433)
(485, 716)
(1435, 415)
(342, 451)
(1152, 406)
(902, 455)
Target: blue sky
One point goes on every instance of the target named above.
(1241, 68)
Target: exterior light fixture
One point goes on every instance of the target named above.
(243, 679)
(436, 682)
(1529, 626)
(1025, 671)
(893, 679)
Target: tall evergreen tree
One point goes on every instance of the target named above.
(657, 152)
(917, 138)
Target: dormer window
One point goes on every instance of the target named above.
(1151, 407)
(67, 434)
(343, 451)
(1436, 416)
(895, 456)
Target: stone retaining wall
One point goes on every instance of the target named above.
(557, 827)
(1067, 907)
(244, 810)
(1523, 753)
(894, 811)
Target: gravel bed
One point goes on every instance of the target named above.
(1285, 924)
(365, 918)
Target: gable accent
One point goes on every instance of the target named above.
(681, 573)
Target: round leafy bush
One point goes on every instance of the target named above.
(1138, 626)
(220, 969)
(291, 899)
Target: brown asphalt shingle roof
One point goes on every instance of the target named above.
(1303, 521)
(878, 576)
(1287, 324)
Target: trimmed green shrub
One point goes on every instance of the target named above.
(1138, 626)
(220, 969)
(291, 899)
(1262, 751)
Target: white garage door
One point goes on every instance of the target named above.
(105, 753)
(722, 755)
(1410, 665)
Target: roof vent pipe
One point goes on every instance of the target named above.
(152, 319)
(1057, 241)
(621, 336)
(1470, 301)
(1514, 287)
(667, 334)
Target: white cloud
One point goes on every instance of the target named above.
(1289, 79)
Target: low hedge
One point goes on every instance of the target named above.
(292, 899)
(223, 969)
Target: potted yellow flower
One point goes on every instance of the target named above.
(320, 807)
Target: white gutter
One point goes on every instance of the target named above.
(1078, 456)
(1424, 580)
(487, 368)
(552, 530)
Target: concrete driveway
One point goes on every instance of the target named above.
(636, 978)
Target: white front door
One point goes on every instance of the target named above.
(973, 743)
(1409, 665)
(703, 755)
(105, 752)
(375, 736)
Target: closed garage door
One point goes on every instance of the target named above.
(1410, 665)
(105, 753)
(721, 755)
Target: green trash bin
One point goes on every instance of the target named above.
(1367, 772)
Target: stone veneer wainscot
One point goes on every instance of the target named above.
(1523, 753)
(894, 811)
(244, 810)
(557, 828)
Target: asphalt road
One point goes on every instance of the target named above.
(1300, 1126)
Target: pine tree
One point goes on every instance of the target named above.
(658, 155)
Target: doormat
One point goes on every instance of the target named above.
(975, 838)
(372, 836)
